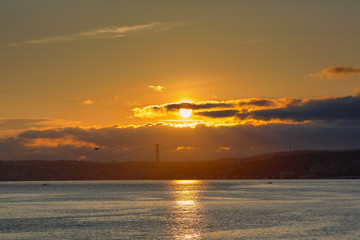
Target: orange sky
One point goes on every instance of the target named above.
(134, 64)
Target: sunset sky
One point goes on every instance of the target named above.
(258, 76)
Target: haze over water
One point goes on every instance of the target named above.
(182, 209)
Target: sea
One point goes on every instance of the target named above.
(181, 209)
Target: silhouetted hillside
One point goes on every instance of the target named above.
(294, 164)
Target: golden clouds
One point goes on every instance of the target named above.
(223, 149)
(185, 148)
(157, 88)
(88, 101)
(257, 111)
(339, 126)
(149, 112)
(55, 142)
(213, 113)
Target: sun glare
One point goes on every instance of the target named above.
(177, 182)
(185, 113)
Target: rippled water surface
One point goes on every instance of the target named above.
(183, 209)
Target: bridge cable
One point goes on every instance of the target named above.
(125, 153)
(180, 155)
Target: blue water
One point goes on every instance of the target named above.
(242, 209)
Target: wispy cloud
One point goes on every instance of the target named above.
(102, 33)
(223, 149)
(185, 148)
(336, 71)
(157, 88)
(88, 101)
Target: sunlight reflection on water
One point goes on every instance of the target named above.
(187, 211)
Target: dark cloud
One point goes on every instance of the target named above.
(213, 104)
(242, 140)
(53, 133)
(18, 148)
(218, 114)
(12, 145)
(258, 102)
(197, 106)
(6, 124)
(336, 71)
(42, 134)
(343, 70)
(14, 125)
(330, 109)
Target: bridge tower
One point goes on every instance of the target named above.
(157, 152)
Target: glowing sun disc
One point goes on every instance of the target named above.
(185, 113)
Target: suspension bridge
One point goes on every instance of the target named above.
(157, 147)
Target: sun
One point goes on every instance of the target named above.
(185, 113)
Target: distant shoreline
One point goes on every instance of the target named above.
(304, 164)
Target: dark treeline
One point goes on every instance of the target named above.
(294, 164)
